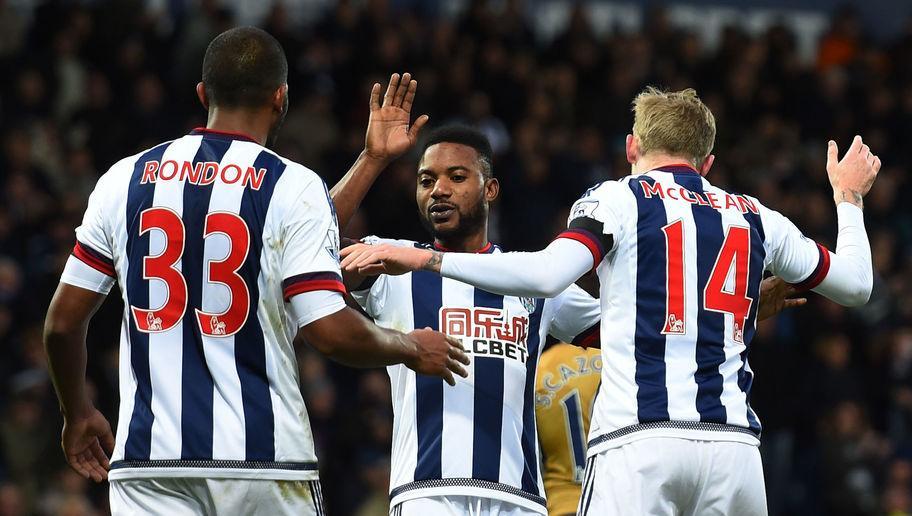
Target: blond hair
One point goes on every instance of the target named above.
(674, 122)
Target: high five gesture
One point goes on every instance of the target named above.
(388, 132)
(389, 135)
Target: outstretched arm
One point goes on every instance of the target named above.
(389, 135)
(544, 273)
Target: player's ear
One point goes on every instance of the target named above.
(632, 148)
(707, 164)
(492, 189)
(201, 95)
(279, 98)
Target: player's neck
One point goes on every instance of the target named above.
(249, 123)
(655, 161)
(470, 244)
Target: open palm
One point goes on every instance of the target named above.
(389, 134)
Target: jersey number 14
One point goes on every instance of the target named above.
(735, 253)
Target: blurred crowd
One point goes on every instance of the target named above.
(84, 85)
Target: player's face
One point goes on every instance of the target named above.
(452, 192)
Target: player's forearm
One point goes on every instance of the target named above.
(851, 275)
(65, 328)
(544, 273)
(375, 347)
(350, 339)
(348, 193)
(66, 355)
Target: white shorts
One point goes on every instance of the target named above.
(459, 506)
(670, 476)
(198, 496)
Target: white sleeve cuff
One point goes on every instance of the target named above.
(79, 274)
(849, 214)
(316, 304)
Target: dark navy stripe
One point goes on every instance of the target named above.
(489, 404)
(250, 345)
(214, 464)
(196, 379)
(139, 198)
(649, 352)
(588, 485)
(310, 276)
(710, 324)
(820, 272)
(757, 257)
(96, 255)
(574, 420)
(529, 442)
(427, 297)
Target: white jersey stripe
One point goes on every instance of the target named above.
(681, 349)
(458, 400)
(733, 398)
(229, 435)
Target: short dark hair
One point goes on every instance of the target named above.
(243, 67)
(468, 136)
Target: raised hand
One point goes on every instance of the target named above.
(438, 355)
(388, 132)
(775, 297)
(370, 260)
(87, 443)
(852, 176)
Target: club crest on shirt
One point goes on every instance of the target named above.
(528, 303)
(583, 208)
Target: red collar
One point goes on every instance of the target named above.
(486, 249)
(227, 134)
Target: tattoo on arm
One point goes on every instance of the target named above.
(433, 263)
(851, 196)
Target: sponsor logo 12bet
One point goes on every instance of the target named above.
(488, 331)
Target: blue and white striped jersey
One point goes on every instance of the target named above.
(479, 437)
(208, 237)
(680, 285)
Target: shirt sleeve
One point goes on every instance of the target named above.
(544, 273)
(791, 255)
(593, 221)
(93, 242)
(576, 318)
(596, 220)
(316, 304)
(79, 274)
(846, 276)
(310, 260)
